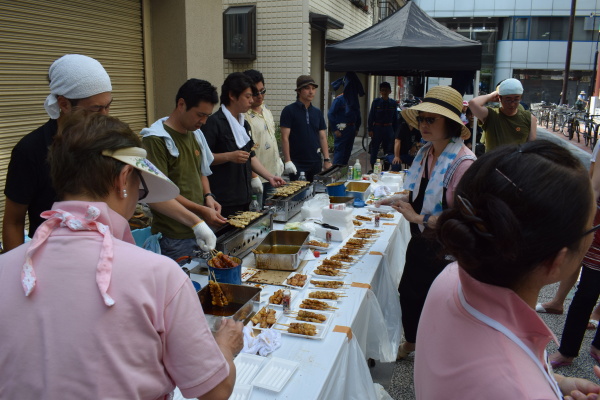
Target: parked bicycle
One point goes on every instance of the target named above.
(590, 130)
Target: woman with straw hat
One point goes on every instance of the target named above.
(431, 180)
(85, 313)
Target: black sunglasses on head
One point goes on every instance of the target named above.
(143, 191)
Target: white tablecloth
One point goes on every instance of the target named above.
(335, 367)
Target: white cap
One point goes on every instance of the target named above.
(510, 86)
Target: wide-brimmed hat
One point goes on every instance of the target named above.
(582, 92)
(305, 80)
(442, 100)
(160, 188)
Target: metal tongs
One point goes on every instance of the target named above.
(324, 225)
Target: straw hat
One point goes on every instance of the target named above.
(442, 100)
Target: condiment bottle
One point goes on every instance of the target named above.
(377, 220)
(285, 301)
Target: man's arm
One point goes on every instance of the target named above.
(13, 224)
(258, 168)
(532, 129)
(397, 143)
(209, 201)
(477, 105)
(177, 211)
(238, 157)
(285, 143)
(324, 147)
(210, 215)
(371, 118)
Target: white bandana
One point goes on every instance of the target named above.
(237, 127)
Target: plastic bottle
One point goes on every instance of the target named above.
(377, 167)
(302, 176)
(357, 170)
(350, 173)
(254, 206)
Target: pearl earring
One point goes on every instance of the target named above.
(125, 193)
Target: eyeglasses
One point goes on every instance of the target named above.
(427, 120)
(594, 229)
(96, 108)
(505, 100)
(260, 93)
(143, 192)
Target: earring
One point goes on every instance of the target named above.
(124, 193)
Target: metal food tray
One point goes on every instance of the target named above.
(335, 173)
(244, 302)
(286, 207)
(238, 242)
(282, 250)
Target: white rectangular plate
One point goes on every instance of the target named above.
(311, 286)
(296, 287)
(275, 374)
(335, 291)
(247, 366)
(278, 314)
(329, 278)
(321, 328)
(292, 317)
(331, 303)
(293, 294)
(241, 392)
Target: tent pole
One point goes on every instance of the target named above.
(475, 94)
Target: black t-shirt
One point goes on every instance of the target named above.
(305, 125)
(230, 182)
(407, 136)
(28, 176)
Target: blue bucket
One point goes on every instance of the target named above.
(226, 275)
(336, 189)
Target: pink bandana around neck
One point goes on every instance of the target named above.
(65, 219)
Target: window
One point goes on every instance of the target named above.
(521, 28)
(239, 33)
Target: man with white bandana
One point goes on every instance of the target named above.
(227, 134)
(76, 82)
(176, 145)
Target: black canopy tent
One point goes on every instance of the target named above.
(407, 43)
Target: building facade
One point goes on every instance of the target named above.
(527, 39)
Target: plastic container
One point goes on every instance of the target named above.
(227, 275)
(357, 170)
(254, 206)
(336, 189)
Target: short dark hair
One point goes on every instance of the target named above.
(235, 83)
(453, 128)
(520, 205)
(77, 166)
(255, 75)
(196, 90)
(385, 85)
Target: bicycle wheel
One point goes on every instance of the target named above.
(586, 133)
(566, 126)
(547, 118)
(576, 129)
(555, 122)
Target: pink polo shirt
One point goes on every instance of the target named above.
(459, 357)
(63, 342)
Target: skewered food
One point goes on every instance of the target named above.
(363, 218)
(321, 294)
(343, 257)
(332, 263)
(298, 280)
(356, 223)
(327, 271)
(313, 304)
(223, 261)
(265, 318)
(328, 284)
(310, 316)
(316, 243)
(386, 215)
(371, 231)
(290, 188)
(302, 329)
(357, 242)
(349, 252)
(242, 219)
(363, 235)
(218, 297)
(277, 297)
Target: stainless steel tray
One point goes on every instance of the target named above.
(335, 173)
(282, 250)
(244, 302)
(285, 208)
(238, 242)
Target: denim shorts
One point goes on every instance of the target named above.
(176, 248)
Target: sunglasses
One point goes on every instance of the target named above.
(260, 93)
(142, 192)
(427, 120)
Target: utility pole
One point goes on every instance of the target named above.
(568, 60)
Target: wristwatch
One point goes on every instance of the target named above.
(327, 160)
(426, 219)
(209, 194)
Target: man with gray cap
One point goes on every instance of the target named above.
(304, 133)
(508, 124)
(76, 82)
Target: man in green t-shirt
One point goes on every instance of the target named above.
(177, 147)
(508, 124)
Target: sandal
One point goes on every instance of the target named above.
(561, 362)
(402, 352)
(592, 324)
(539, 307)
